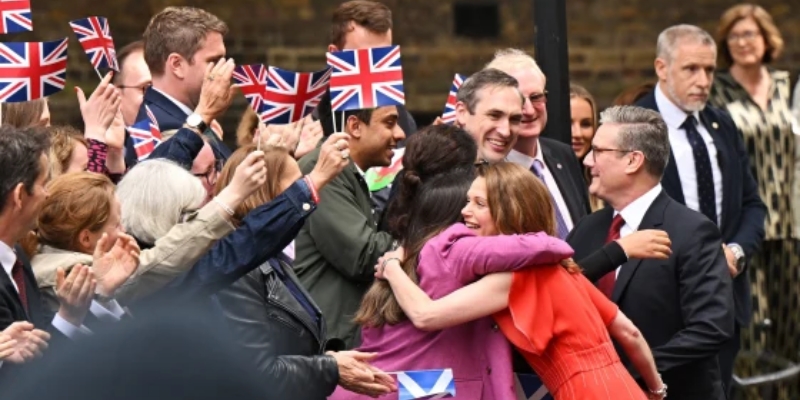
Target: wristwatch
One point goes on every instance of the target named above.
(195, 121)
(738, 252)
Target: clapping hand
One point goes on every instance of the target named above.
(20, 342)
(75, 293)
(113, 267)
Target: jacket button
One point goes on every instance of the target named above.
(306, 206)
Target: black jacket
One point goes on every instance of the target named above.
(285, 342)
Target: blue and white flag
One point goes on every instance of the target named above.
(530, 387)
(426, 384)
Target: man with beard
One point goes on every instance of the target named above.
(713, 175)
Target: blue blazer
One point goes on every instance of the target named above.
(743, 212)
(169, 117)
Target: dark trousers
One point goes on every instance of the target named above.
(727, 359)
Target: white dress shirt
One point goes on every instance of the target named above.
(682, 150)
(633, 213)
(527, 162)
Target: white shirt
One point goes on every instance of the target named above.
(684, 158)
(549, 181)
(8, 258)
(180, 105)
(634, 212)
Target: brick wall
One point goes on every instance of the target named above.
(611, 42)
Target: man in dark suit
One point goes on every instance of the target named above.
(339, 244)
(710, 150)
(683, 305)
(553, 162)
(25, 172)
(179, 44)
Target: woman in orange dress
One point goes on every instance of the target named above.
(553, 315)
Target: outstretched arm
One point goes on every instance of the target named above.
(476, 300)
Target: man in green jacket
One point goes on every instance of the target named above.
(339, 244)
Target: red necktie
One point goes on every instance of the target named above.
(19, 279)
(606, 283)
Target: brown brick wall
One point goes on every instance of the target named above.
(611, 42)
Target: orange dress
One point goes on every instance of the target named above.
(558, 321)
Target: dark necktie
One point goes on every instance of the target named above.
(561, 225)
(702, 166)
(607, 282)
(19, 278)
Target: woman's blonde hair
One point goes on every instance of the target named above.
(23, 114)
(276, 159)
(770, 32)
(62, 144)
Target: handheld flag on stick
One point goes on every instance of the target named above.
(290, 95)
(94, 35)
(426, 384)
(146, 137)
(366, 78)
(252, 81)
(449, 115)
(32, 70)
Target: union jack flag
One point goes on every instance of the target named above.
(15, 16)
(146, 137)
(95, 37)
(366, 78)
(32, 70)
(252, 81)
(290, 96)
(449, 115)
(152, 117)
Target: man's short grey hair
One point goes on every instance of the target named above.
(154, 195)
(490, 77)
(669, 38)
(511, 59)
(642, 130)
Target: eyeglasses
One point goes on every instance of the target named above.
(538, 98)
(142, 88)
(212, 174)
(748, 36)
(596, 150)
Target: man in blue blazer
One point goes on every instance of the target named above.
(708, 169)
(179, 44)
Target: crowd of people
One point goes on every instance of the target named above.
(614, 267)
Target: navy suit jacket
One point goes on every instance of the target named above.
(169, 117)
(567, 172)
(743, 212)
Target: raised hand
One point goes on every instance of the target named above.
(334, 156)
(309, 137)
(98, 112)
(75, 293)
(113, 267)
(216, 94)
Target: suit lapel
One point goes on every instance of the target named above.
(562, 179)
(653, 218)
(712, 126)
(159, 102)
(671, 180)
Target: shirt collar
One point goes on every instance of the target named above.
(7, 257)
(672, 114)
(526, 160)
(633, 213)
(180, 105)
(358, 169)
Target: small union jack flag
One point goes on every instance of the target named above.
(252, 81)
(449, 115)
(32, 70)
(95, 37)
(366, 78)
(146, 137)
(15, 16)
(290, 96)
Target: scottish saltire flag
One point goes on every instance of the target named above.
(530, 387)
(252, 81)
(15, 16)
(380, 177)
(427, 384)
(32, 70)
(145, 136)
(94, 35)
(290, 95)
(449, 115)
(366, 78)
